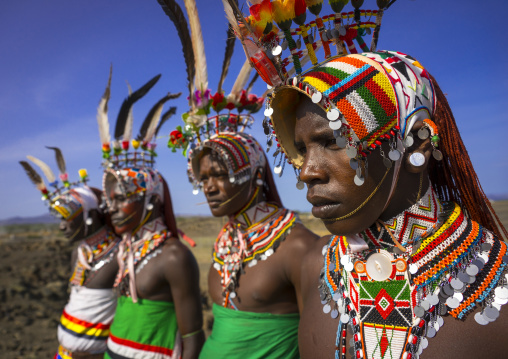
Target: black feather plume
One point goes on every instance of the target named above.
(59, 159)
(151, 115)
(166, 116)
(230, 46)
(31, 173)
(128, 103)
(175, 13)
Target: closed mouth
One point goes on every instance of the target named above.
(324, 208)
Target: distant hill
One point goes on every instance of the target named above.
(44, 218)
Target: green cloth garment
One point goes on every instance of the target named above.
(247, 335)
(146, 328)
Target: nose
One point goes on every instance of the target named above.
(210, 186)
(313, 169)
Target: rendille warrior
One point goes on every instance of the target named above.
(254, 280)
(159, 308)
(415, 246)
(87, 316)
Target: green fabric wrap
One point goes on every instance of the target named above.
(247, 335)
(145, 322)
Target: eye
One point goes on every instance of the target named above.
(301, 149)
(331, 144)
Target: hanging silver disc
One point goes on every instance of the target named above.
(359, 180)
(433, 299)
(456, 284)
(277, 169)
(431, 332)
(409, 141)
(423, 133)
(452, 302)
(335, 125)
(341, 142)
(344, 318)
(334, 313)
(353, 163)
(327, 308)
(394, 155)
(351, 152)
(491, 313)
(277, 50)
(472, 270)
(342, 30)
(480, 319)
(501, 292)
(387, 162)
(437, 155)
(425, 305)
(268, 112)
(317, 97)
(300, 185)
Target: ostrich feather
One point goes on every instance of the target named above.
(201, 76)
(166, 116)
(127, 133)
(251, 83)
(230, 46)
(242, 78)
(102, 112)
(44, 168)
(127, 104)
(33, 175)
(149, 126)
(175, 14)
(60, 161)
(231, 8)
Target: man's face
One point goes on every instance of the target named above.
(125, 212)
(224, 198)
(330, 178)
(74, 228)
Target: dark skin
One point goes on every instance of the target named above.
(171, 276)
(271, 286)
(329, 178)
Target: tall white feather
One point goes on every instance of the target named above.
(198, 46)
(102, 112)
(127, 133)
(44, 168)
(230, 15)
(242, 79)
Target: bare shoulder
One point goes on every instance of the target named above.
(313, 261)
(301, 238)
(177, 254)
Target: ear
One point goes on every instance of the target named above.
(422, 147)
(259, 174)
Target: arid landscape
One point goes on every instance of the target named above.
(34, 270)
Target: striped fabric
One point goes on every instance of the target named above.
(146, 329)
(360, 91)
(85, 321)
(63, 353)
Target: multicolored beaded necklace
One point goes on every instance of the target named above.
(143, 248)
(254, 235)
(393, 300)
(96, 250)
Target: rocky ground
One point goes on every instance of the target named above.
(34, 271)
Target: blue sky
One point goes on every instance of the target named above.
(55, 58)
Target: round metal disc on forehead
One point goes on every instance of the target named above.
(491, 313)
(333, 115)
(300, 185)
(195, 191)
(394, 155)
(268, 112)
(335, 125)
(277, 50)
(353, 163)
(480, 319)
(327, 308)
(379, 267)
(317, 97)
(501, 292)
(387, 162)
(359, 180)
(472, 270)
(456, 284)
(341, 142)
(351, 152)
(423, 133)
(409, 141)
(431, 332)
(437, 155)
(484, 256)
(452, 302)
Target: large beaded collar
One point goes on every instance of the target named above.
(391, 300)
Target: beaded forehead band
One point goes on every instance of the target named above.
(65, 199)
(223, 131)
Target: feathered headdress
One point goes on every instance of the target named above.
(143, 145)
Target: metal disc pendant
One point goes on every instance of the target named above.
(431, 332)
(333, 115)
(500, 300)
(472, 270)
(478, 263)
(341, 142)
(351, 152)
(433, 299)
(440, 321)
(353, 163)
(456, 284)
(491, 313)
(359, 180)
(327, 308)
(300, 185)
(424, 343)
(452, 302)
(423, 133)
(379, 267)
(277, 50)
(409, 141)
(335, 125)
(344, 260)
(334, 313)
(336, 296)
(317, 97)
(486, 247)
(268, 112)
(342, 30)
(232, 295)
(195, 191)
(463, 277)
(501, 292)
(437, 155)
(419, 311)
(425, 304)
(277, 169)
(413, 268)
(349, 267)
(459, 296)
(480, 319)
(344, 318)
(394, 155)
(387, 162)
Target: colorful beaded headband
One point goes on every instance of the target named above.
(65, 199)
(222, 131)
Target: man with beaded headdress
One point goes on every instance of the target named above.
(416, 247)
(87, 316)
(159, 308)
(254, 281)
